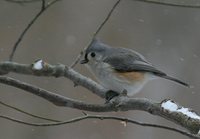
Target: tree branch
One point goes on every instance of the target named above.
(190, 120)
(42, 10)
(27, 113)
(56, 99)
(102, 117)
(58, 70)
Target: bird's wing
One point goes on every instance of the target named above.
(131, 61)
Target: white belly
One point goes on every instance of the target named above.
(108, 79)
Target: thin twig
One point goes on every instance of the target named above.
(42, 10)
(162, 2)
(106, 19)
(102, 117)
(27, 113)
(96, 32)
(43, 5)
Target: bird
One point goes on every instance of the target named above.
(121, 70)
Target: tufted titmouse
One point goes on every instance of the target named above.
(121, 69)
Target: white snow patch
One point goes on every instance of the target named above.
(173, 107)
(38, 65)
(198, 132)
(187, 112)
(170, 106)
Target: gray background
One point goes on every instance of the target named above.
(166, 36)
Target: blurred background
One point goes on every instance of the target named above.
(167, 36)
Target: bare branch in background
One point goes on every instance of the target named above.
(96, 32)
(102, 117)
(106, 19)
(42, 10)
(189, 119)
(27, 113)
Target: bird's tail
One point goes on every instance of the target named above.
(176, 80)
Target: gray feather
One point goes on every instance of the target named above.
(130, 63)
(125, 60)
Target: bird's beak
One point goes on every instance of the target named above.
(83, 61)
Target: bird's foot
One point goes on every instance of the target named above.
(110, 95)
(124, 93)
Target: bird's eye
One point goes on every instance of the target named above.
(92, 54)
